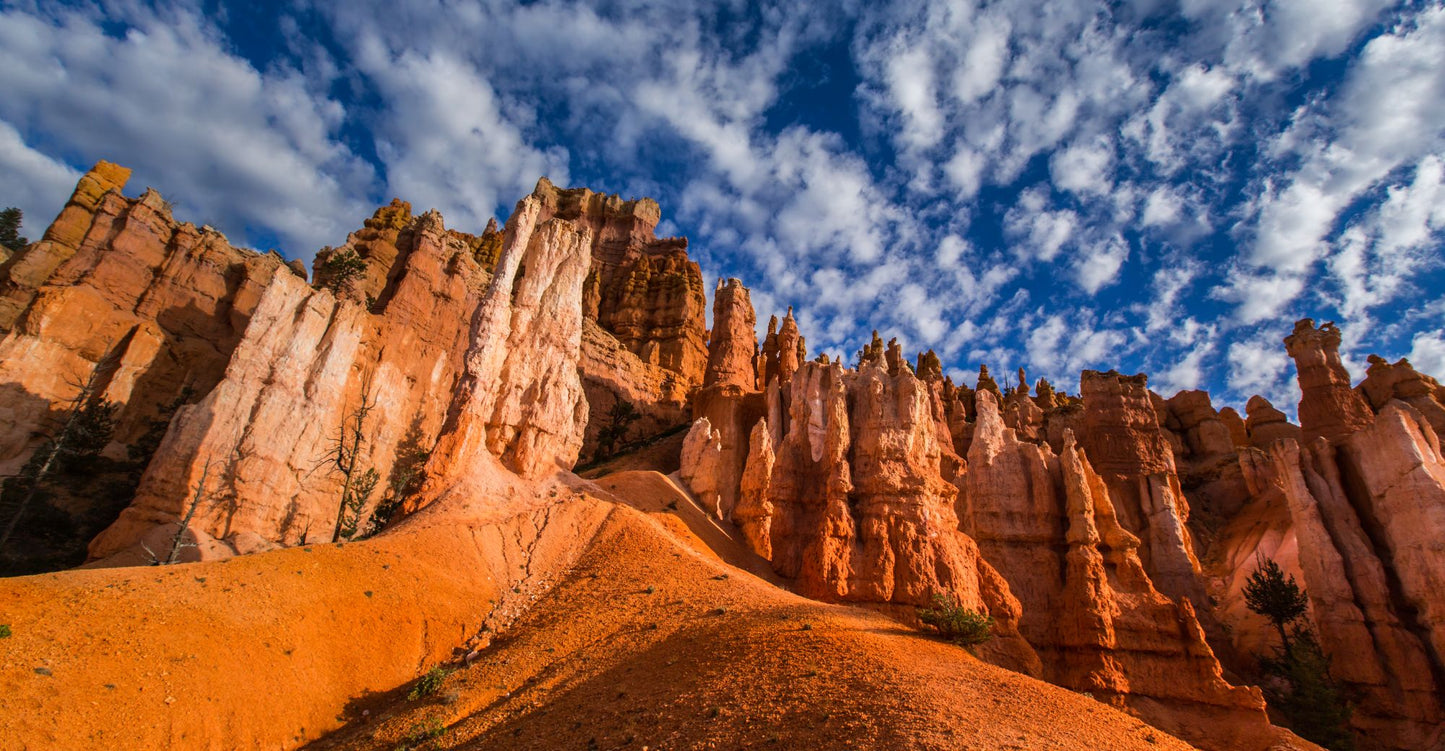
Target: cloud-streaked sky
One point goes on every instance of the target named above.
(1149, 185)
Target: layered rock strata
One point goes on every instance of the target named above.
(117, 285)
(314, 368)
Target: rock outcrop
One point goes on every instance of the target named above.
(118, 285)
(1093, 613)
(1357, 607)
(1109, 534)
(317, 367)
(643, 290)
(1328, 407)
(1120, 432)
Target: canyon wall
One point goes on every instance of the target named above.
(256, 378)
(1108, 533)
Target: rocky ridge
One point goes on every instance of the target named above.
(1107, 533)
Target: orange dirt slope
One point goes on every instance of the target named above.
(600, 626)
(654, 641)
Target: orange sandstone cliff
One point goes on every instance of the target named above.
(457, 379)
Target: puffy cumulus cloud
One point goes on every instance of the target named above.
(444, 141)
(1382, 251)
(1258, 364)
(1259, 296)
(234, 146)
(1084, 168)
(1099, 263)
(1389, 114)
(1038, 231)
(1427, 352)
(1060, 347)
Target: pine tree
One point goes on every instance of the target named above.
(1275, 596)
(10, 221)
(1313, 702)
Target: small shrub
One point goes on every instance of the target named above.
(4, 631)
(422, 732)
(340, 270)
(429, 683)
(958, 624)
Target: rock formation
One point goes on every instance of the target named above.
(309, 364)
(1109, 534)
(1328, 406)
(645, 291)
(1095, 616)
(118, 284)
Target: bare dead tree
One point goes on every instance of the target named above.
(52, 451)
(344, 456)
(179, 541)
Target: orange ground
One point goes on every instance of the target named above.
(655, 637)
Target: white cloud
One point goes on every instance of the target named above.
(1427, 353)
(1259, 364)
(1038, 231)
(1084, 168)
(1389, 113)
(35, 183)
(1099, 263)
(232, 146)
(1059, 348)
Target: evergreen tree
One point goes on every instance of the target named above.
(10, 220)
(1309, 698)
(1276, 597)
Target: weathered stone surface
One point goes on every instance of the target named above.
(642, 290)
(118, 280)
(1092, 613)
(1385, 381)
(1265, 424)
(612, 374)
(732, 345)
(701, 470)
(859, 509)
(754, 511)
(1397, 464)
(1328, 406)
(304, 366)
(25, 273)
(1355, 605)
(520, 398)
(1120, 433)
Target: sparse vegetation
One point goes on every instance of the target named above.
(1299, 684)
(428, 684)
(344, 456)
(421, 734)
(341, 269)
(619, 420)
(956, 623)
(10, 221)
(89, 426)
(408, 474)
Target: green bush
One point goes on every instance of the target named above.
(340, 269)
(956, 623)
(429, 683)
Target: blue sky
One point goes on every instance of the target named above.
(1154, 186)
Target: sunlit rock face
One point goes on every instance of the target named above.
(1109, 533)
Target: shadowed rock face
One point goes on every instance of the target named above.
(643, 290)
(118, 280)
(1107, 533)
